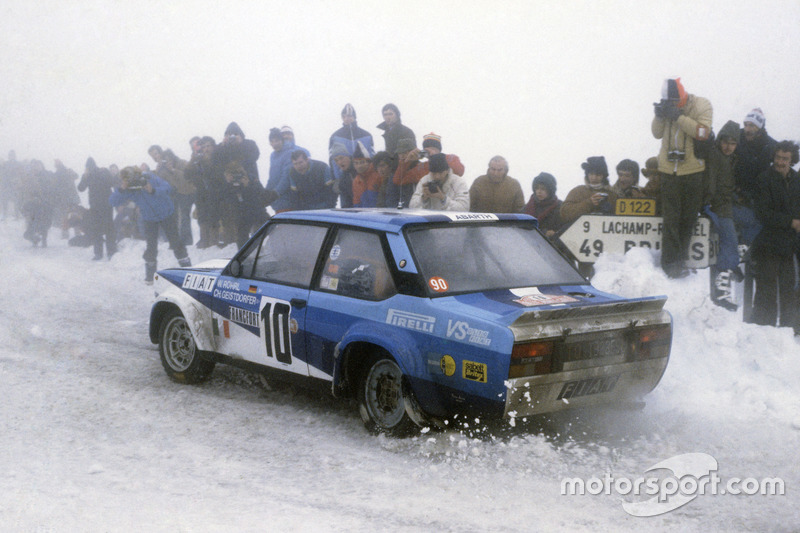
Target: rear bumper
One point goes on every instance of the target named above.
(586, 387)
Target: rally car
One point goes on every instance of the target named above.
(418, 315)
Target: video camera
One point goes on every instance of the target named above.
(662, 107)
(136, 183)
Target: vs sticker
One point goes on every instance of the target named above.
(438, 284)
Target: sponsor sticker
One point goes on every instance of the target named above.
(328, 282)
(243, 316)
(587, 387)
(198, 282)
(336, 251)
(467, 217)
(462, 331)
(474, 371)
(531, 297)
(414, 321)
(253, 289)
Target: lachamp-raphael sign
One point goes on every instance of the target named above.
(592, 235)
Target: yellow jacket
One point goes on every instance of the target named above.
(679, 135)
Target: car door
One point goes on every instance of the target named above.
(260, 313)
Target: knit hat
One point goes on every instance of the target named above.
(438, 163)
(432, 140)
(405, 145)
(287, 129)
(595, 165)
(756, 117)
(339, 149)
(349, 110)
(548, 181)
(650, 167)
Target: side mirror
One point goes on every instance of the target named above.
(235, 268)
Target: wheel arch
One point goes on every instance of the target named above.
(197, 318)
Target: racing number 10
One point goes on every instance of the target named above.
(275, 318)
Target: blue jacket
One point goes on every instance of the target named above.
(348, 135)
(280, 164)
(153, 207)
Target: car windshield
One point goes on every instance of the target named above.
(480, 257)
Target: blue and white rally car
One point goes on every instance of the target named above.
(419, 315)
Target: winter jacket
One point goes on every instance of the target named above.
(546, 212)
(348, 135)
(455, 191)
(487, 196)
(366, 188)
(679, 135)
(314, 189)
(394, 134)
(280, 165)
(579, 202)
(245, 152)
(98, 181)
(752, 158)
(720, 179)
(153, 207)
(777, 204)
(413, 172)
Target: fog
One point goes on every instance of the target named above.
(545, 84)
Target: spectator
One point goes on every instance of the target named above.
(545, 205)
(311, 182)
(348, 136)
(680, 120)
(36, 204)
(412, 166)
(627, 185)
(653, 187)
(386, 166)
(442, 189)
(719, 208)
(65, 195)
(596, 196)
(394, 129)
(206, 176)
(367, 183)
(10, 181)
(235, 147)
(101, 215)
(152, 195)
(172, 169)
(753, 156)
(400, 189)
(496, 191)
(778, 209)
(344, 185)
(280, 165)
(248, 199)
(287, 134)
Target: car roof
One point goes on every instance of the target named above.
(393, 220)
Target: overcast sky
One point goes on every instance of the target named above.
(545, 84)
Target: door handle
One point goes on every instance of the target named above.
(298, 303)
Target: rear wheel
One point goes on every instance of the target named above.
(179, 354)
(383, 399)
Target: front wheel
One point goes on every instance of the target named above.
(179, 354)
(382, 399)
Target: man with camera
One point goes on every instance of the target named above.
(442, 189)
(681, 119)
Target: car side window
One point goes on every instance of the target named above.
(288, 253)
(356, 267)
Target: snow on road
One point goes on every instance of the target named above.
(96, 438)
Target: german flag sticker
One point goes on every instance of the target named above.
(253, 289)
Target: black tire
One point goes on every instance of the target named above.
(382, 399)
(179, 354)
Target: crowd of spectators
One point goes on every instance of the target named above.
(742, 179)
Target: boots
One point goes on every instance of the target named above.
(185, 262)
(149, 271)
(721, 293)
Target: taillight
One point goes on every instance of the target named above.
(531, 359)
(654, 342)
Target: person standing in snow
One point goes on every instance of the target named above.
(101, 215)
(152, 195)
(172, 169)
(680, 120)
(311, 183)
(778, 209)
(441, 190)
(719, 208)
(496, 191)
(349, 135)
(545, 205)
(394, 129)
(595, 196)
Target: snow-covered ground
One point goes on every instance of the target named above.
(94, 437)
